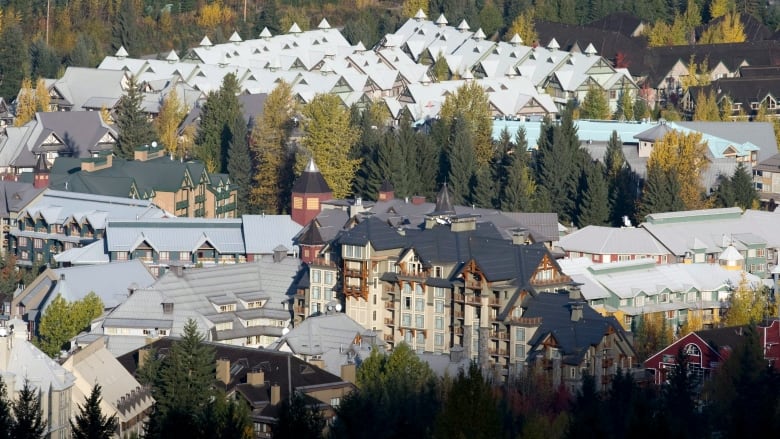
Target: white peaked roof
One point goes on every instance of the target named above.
(468, 75)
(516, 40)
(463, 26)
(553, 45)
(730, 254)
(359, 47)
(172, 56)
(205, 42)
(479, 34)
(294, 29)
(442, 20)
(323, 24)
(265, 33)
(121, 53)
(590, 50)
(235, 38)
(420, 15)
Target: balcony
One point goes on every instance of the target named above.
(300, 309)
(389, 322)
(389, 338)
(352, 272)
(526, 321)
(458, 330)
(200, 198)
(183, 204)
(474, 284)
(474, 300)
(457, 314)
(458, 297)
(501, 335)
(390, 306)
(200, 212)
(499, 352)
(226, 208)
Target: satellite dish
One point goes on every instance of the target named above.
(154, 144)
(330, 308)
(338, 307)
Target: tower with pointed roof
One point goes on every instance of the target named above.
(308, 193)
(41, 173)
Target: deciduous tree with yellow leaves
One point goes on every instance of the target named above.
(747, 304)
(684, 155)
(25, 105)
(167, 123)
(410, 7)
(471, 101)
(523, 25)
(729, 29)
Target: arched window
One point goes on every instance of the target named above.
(692, 349)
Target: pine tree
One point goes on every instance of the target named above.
(239, 164)
(329, 139)
(594, 205)
(125, 32)
(461, 161)
(469, 393)
(269, 18)
(559, 160)
(625, 110)
(90, 422)
(594, 105)
(134, 128)
(680, 414)
(28, 415)
(297, 419)
(519, 189)
(14, 64)
(483, 188)
(6, 420)
(660, 192)
(217, 123)
(745, 195)
(273, 173)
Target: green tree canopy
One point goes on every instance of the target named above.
(595, 105)
(134, 128)
(90, 422)
(28, 414)
(470, 102)
(217, 124)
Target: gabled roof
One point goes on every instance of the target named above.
(311, 181)
(375, 231)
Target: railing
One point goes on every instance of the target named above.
(226, 208)
(389, 322)
(501, 335)
(300, 309)
(389, 338)
(474, 285)
(322, 262)
(529, 321)
(183, 204)
(474, 300)
(200, 212)
(458, 330)
(200, 198)
(495, 351)
(389, 306)
(458, 314)
(458, 297)
(352, 272)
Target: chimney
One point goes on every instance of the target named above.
(456, 354)
(276, 394)
(143, 356)
(102, 160)
(576, 311)
(223, 370)
(575, 294)
(418, 199)
(349, 373)
(520, 236)
(255, 378)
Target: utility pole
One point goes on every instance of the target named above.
(48, 5)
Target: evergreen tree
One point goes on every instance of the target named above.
(44, 62)
(82, 53)
(660, 192)
(269, 18)
(297, 419)
(90, 422)
(625, 110)
(470, 102)
(594, 204)
(239, 164)
(558, 160)
(594, 105)
(461, 161)
(745, 195)
(125, 32)
(6, 420)
(273, 175)
(134, 128)
(28, 414)
(470, 393)
(519, 189)
(217, 123)
(622, 182)
(587, 412)
(370, 174)
(14, 64)
(483, 188)
(680, 414)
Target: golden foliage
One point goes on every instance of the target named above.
(294, 15)
(706, 107)
(42, 98)
(694, 322)
(329, 139)
(698, 74)
(105, 115)
(719, 8)
(410, 7)
(663, 34)
(25, 106)
(748, 304)
(471, 101)
(523, 25)
(215, 14)
(685, 155)
(729, 30)
(167, 123)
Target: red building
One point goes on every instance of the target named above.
(708, 349)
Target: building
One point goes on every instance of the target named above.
(706, 350)
(112, 283)
(122, 396)
(59, 221)
(14, 197)
(21, 362)
(183, 188)
(613, 244)
(263, 379)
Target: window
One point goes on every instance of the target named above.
(520, 333)
(419, 305)
(418, 289)
(613, 94)
(408, 337)
(640, 300)
(329, 277)
(663, 298)
(760, 252)
(22, 240)
(420, 339)
(438, 272)
(227, 308)
(692, 349)
(374, 316)
(519, 351)
(334, 402)
(438, 339)
(38, 243)
(184, 256)
(691, 296)
(407, 303)
(164, 256)
(224, 326)
(439, 322)
(353, 251)
(439, 306)
(406, 320)
(628, 320)
(121, 256)
(315, 292)
(419, 321)
(315, 276)
(439, 292)
(315, 308)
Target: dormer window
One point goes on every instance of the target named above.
(167, 307)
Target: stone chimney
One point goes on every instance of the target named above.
(102, 161)
(255, 378)
(276, 394)
(576, 311)
(418, 199)
(349, 373)
(148, 152)
(386, 191)
(223, 370)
